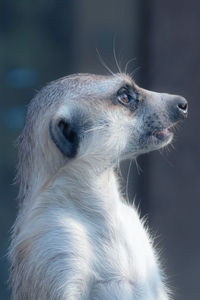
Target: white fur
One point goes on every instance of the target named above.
(75, 238)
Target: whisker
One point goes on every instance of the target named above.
(133, 73)
(94, 128)
(115, 56)
(172, 145)
(103, 63)
(139, 169)
(128, 62)
(166, 159)
(127, 181)
(119, 169)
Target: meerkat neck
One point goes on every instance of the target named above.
(92, 189)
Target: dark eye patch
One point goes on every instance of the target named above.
(128, 97)
(124, 89)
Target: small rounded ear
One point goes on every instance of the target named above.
(65, 136)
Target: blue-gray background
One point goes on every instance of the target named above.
(42, 40)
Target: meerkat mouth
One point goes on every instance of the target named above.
(163, 135)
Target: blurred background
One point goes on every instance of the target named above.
(43, 40)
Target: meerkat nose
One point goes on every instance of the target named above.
(177, 107)
(182, 106)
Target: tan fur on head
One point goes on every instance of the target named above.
(74, 237)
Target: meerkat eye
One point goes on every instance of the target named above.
(124, 98)
(128, 96)
(123, 95)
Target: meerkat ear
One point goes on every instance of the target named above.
(65, 136)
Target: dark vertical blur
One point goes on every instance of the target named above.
(43, 40)
(174, 175)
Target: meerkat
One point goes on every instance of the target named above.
(75, 237)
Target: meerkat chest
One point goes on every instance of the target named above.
(124, 257)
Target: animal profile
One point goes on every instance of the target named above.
(75, 237)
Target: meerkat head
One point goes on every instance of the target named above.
(111, 118)
(103, 119)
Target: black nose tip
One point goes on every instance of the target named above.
(182, 106)
(177, 107)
